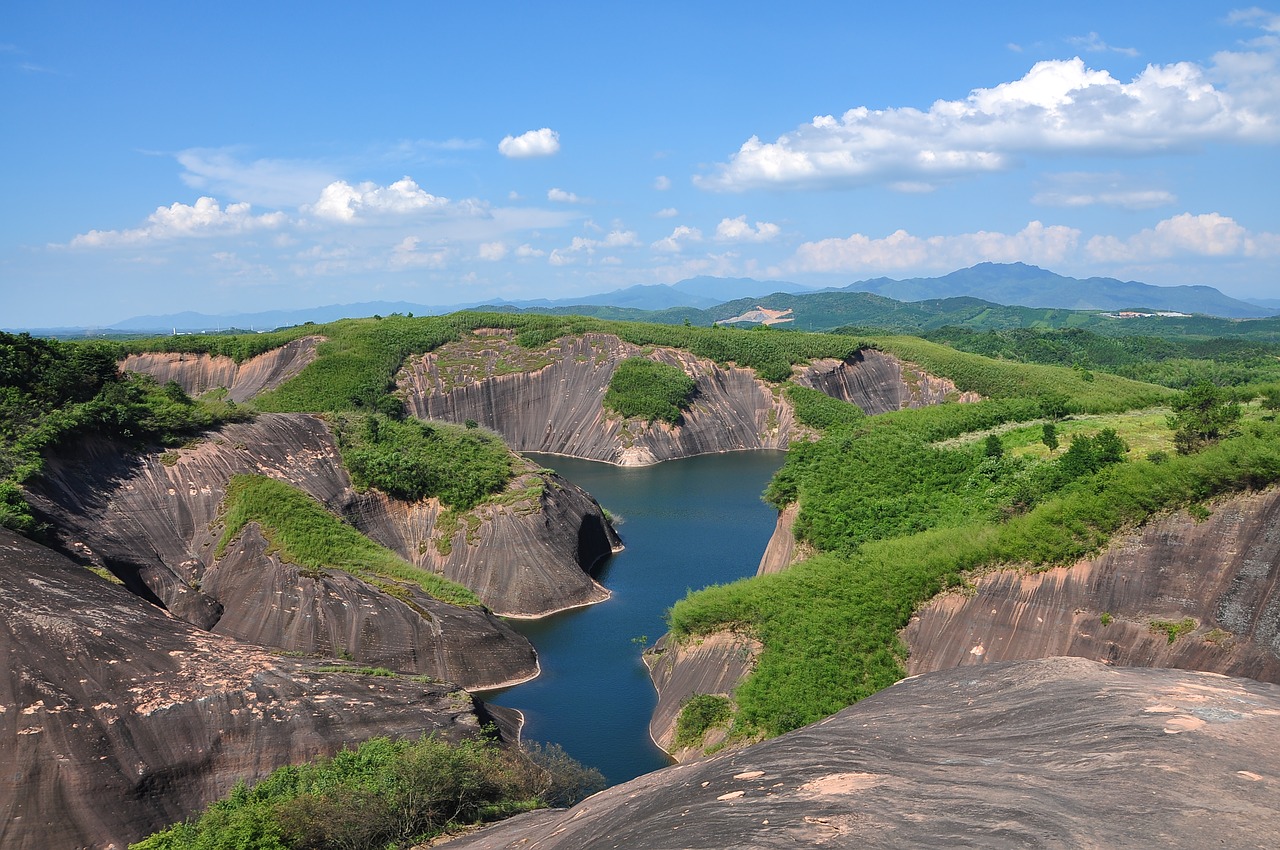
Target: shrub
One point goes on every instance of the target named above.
(647, 389)
(700, 713)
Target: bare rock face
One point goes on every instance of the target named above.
(199, 373)
(153, 520)
(117, 719)
(551, 401)
(1056, 753)
(1177, 593)
(879, 382)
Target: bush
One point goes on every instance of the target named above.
(700, 713)
(647, 389)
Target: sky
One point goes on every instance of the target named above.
(234, 157)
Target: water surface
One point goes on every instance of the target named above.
(686, 524)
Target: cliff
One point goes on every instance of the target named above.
(878, 383)
(199, 373)
(152, 519)
(551, 400)
(1057, 753)
(1176, 593)
(117, 720)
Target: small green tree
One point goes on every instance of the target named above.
(1049, 436)
(993, 447)
(1202, 415)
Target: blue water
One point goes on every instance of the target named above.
(685, 524)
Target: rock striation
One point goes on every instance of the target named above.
(199, 373)
(1177, 593)
(878, 383)
(152, 519)
(117, 719)
(1055, 753)
(551, 401)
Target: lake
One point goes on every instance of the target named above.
(685, 524)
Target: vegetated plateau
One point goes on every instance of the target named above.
(889, 509)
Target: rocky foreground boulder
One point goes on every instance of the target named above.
(1056, 753)
(117, 719)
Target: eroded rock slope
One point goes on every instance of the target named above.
(1057, 753)
(153, 520)
(117, 719)
(1177, 593)
(199, 373)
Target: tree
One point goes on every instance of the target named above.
(1053, 405)
(993, 446)
(1049, 436)
(1201, 416)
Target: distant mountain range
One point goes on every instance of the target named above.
(1011, 284)
(1030, 286)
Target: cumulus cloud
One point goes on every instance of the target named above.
(406, 255)
(340, 201)
(544, 142)
(668, 212)
(681, 236)
(527, 251)
(1186, 235)
(589, 247)
(1035, 243)
(204, 218)
(662, 183)
(1059, 106)
(492, 251)
(564, 197)
(737, 230)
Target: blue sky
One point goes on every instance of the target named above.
(231, 157)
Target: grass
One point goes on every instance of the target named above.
(301, 532)
(646, 389)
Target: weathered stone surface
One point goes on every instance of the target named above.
(154, 522)
(117, 719)
(878, 383)
(713, 664)
(199, 373)
(1057, 753)
(1223, 573)
(556, 406)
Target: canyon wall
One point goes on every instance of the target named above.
(153, 520)
(117, 719)
(1197, 595)
(199, 373)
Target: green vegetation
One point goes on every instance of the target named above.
(385, 794)
(416, 460)
(1202, 415)
(819, 410)
(699, 714)
(829, 625)
(302, 532)
(1174, 629)
(51, 391)
(646, 389)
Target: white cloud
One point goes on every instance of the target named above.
(528, 251)
(662, 183)
(544, 142)
(681, 236)
(1134, 199)
(737, 230)
(1207, 235)
(668, 212)
(340, 201)
(564, 197)
(269, 182)
(492, 251)
(584, 245)
(204, 218)
(1093, 43)
(406, 255)
(1059, 106)
(1035, 243)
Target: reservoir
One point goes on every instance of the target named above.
(685, 524)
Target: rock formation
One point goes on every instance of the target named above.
(200, 373)
(152, 519)
(117, 719)
(878, 383)
(1057, 753)
(551, 401)
(1198, 595)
